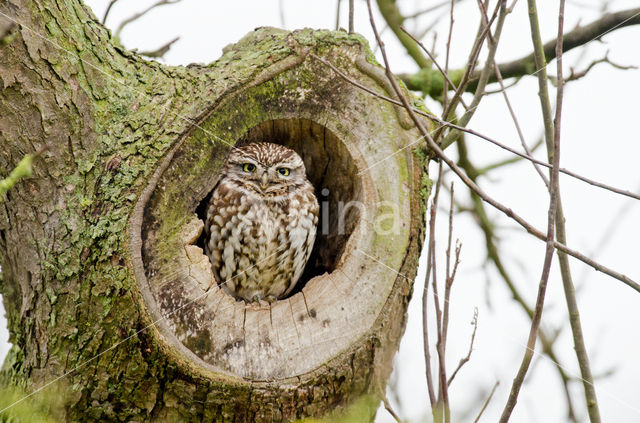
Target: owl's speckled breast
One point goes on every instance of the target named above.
(259, 244)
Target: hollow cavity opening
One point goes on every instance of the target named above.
(334, 175)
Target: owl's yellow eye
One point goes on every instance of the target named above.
(284, 171)
(249, 167)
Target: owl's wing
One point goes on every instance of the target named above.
(302, 239)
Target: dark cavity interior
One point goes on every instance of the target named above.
(334, 175)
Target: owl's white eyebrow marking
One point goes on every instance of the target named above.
(245, 159)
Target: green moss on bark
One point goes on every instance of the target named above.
(109, 117)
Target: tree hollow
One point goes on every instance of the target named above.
(358, 155)
(102, 271)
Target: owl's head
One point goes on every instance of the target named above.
(265, 168)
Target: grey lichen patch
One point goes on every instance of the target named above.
(234, 355)
(188, 316)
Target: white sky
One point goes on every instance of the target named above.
(599, 140)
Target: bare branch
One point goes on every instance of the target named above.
(141, 14)
(435, 62)
(387, 406)
(471, 184)
(428, 9)
(575, 38)
(573, 76)
(444, 327)
(554, 201)
(160, 52)
(443, 396)
(465, 360)
(486, 403)
(477, 134)
(517, 124)
(106, 12)
(427, 79)
(565, 270)
(445, 86)
(484, 75)
(393, 18)
(425, 292)
(487, 228)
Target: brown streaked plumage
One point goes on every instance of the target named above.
(261, 222)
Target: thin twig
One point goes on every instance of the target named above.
(484, 75)
(574, 76)
(445, 86)
(141, 14)
(425, 291)
(464, 360)
(565, 270)
(486, 403)
(351, 12)
(551, 226)
(387, 406)
(475, 133)
(394, 19)
(525, 66)
(487, 227)
(572, 39)
(435, 62)
(383, 396)
(443, 395)
(106, 12)
(513, 115)
(450, 237)
(511, 160)
(435, 148)
(159, 52)
(443, 330)
(428, 10)
(483, 31)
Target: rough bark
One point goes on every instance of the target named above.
(88, 242)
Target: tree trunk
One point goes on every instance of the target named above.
(105, 285)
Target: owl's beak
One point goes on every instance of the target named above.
(264, 181)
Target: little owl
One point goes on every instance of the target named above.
(261, 222)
